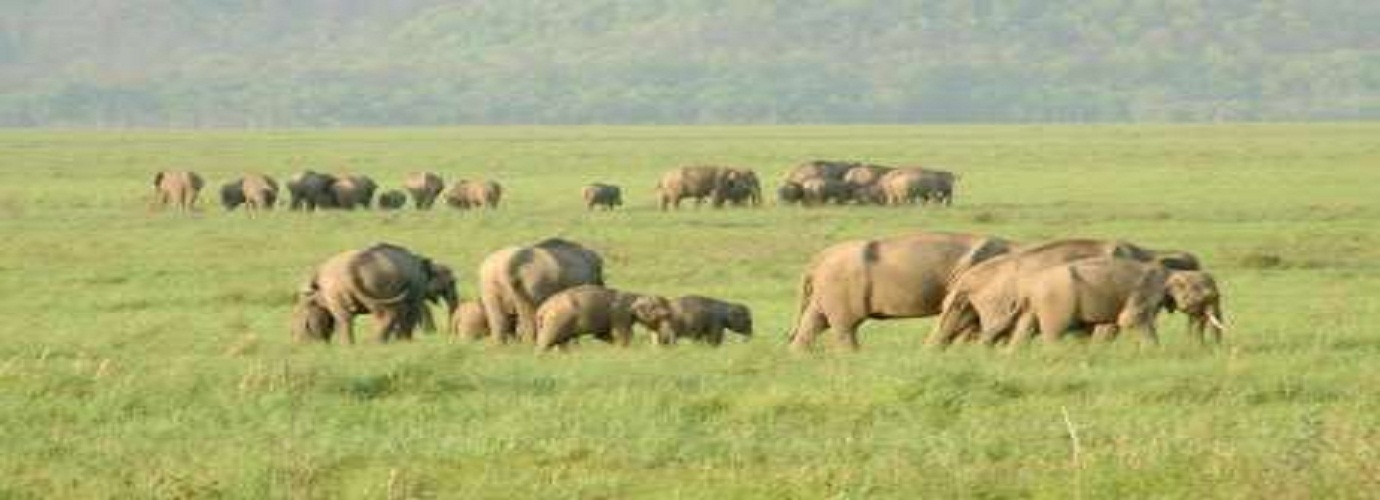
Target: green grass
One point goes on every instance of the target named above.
(147, 354)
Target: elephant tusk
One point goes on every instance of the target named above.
(1216, 323)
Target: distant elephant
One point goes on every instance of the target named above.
(353, 191)
(1111, 294)
(704, 319)
(898, 277)
(820, 169)
(310, 190)
(466, 194)
(515, 280)
(715, 184)
(602, 195)
(469, 321)
(982, 301)
(232, 194)
(790, 193)
(254, 191)
(392, 199)
(819, 191)
(742, 188)
(389, 282)
(917, 185)
(424, 187)
(176, 187)
(605, 313)
(863, 182)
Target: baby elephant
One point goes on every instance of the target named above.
(604, 195)
(606, 313)
(704, 319)
(469, 321)
(392, 199)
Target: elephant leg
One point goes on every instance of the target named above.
(716, 337)
(1105, 332)
(526, 322)
(386, 326)
(622, 335)
(1023, 329)
(808, 326)
(1197, 326)
(345, 321)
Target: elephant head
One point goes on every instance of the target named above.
(740, 319)
(311, 321)
(655, 313)
(1195, 293)
(440, 286)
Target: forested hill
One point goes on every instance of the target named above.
(264, 63)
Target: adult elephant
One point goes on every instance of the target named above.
(424, 187)
(176, 187)
(602, 195)
(514, 281)
(826, 169)
(703, 182)
(820, 190)
(863, 182)
(1109, 294)
(351, 191)
(310, 190)
(898, 277)
(260, 191)
(467, 194)
(743, 188)
(387, 281)
(983, 300)
(232, 194)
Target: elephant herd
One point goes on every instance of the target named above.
(984, 289)
(310, 190)
(810, 184)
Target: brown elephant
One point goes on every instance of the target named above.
(603, 195)
(704, 319)
(515, 280)
(898, 277)
(392, 199)
(982, 301)
(424, 187)
(917, 185)
(1108, 294)
(254, 191)
(232, 194)
(469, 321)
(605, 313)
(864, 181)
(819, 191)
(387, 281)
(825, 169)
(310, 190)
(716, 184)
(176, 187)
(351, 191)
(467, 194)
(743, 188)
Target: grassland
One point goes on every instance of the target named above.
(146, 354)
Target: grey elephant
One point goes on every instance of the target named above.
(467, 194)
(816, 169)
(232, 194)
(352, 191)
(176, 187)
(253, 191)
(424, 187)
(790, 193)
(819, 191)
(469, 321)
(311, 190)
(864, 183)
(392, 199)
(899, 277)
(513, 281)
(742, 188)
(603, 195)
(1109, 294)
(982, 301)
(704, 319)
(387, 281)
(917, 185)
(605, 313)
(702, 183)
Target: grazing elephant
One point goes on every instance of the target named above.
(1109, 294)
(424, 187)
(863, 182)
(602, 195)
(232, 194)
(466, 194)
(352, 191)
(310, 190)
(388, 281)
(704, 319)
(716, 184)
(742, 188)
(515, 280)
(826, 169)
(469, 321)
(819, 190)
(392, 199)
(605, 313)
(254, 191)
(790, 193)
(899, 277)
(982, 301)
(176, 187)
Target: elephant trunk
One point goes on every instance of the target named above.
(1214, 319)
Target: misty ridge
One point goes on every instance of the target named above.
(313, 63)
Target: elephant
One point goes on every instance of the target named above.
(605, 313)
(254, 191)
(743, 188)
(388, 281)
(603, 195)
(424, 187)
(826, 169)
(176, 187)
(704, 319)
(232, 194)
(706, 182)
(353, 191)
(899, 277)
(392, 199)
(819, 191)
(1110, 294)
(863, 181)
(310, 190)
(982, 301)
(513, 281)
(466, 194)
(790, 193)
(469, 321)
